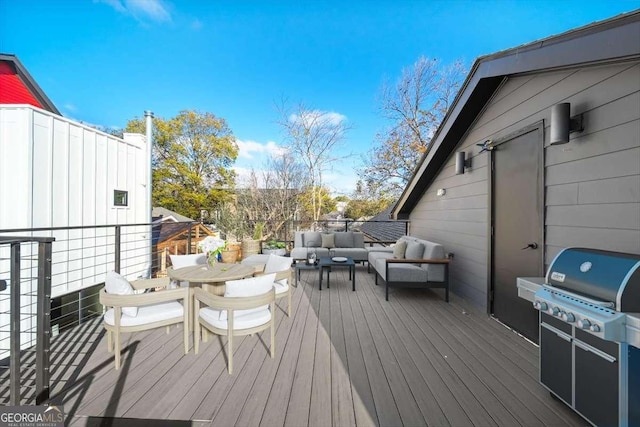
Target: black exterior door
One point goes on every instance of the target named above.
(517, 221)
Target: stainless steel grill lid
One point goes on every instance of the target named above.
(603, 275)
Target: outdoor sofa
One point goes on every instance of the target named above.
(342, 244)
(412, 262)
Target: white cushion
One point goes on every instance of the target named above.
(276, 263)
(115, 284)
(180, 261)
(281, 286)
(242, 319)
(147, 314)
(248, 288)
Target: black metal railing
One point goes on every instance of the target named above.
(42, 294)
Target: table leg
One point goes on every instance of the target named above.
(353, 276)
(328, 277)
(320, 279)
(297, 274)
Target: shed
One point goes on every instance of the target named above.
(520, 199)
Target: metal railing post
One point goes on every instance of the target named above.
(116, 267)
(43, 322)
(14, 326)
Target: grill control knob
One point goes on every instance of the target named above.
(539, 305)
(553, 311)
(568, 317)
(584, 323)
(594, 328)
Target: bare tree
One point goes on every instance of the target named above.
(269, 196)
(312, 137)
(414, 107)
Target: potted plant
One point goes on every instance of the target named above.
(212, 247)
(252, 246)
(274, 247)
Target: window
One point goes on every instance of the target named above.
(120, 198)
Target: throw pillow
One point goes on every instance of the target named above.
(247, 288)
(414, 250)
(328, 240)
(344, 239)
(312, 239)
(399, 249)
(180, 261)
(115, 284)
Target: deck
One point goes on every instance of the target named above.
(343, 358)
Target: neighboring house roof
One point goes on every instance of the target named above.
(613, 39)
(164, 232)
(387, 230)
(168, 215)
(18, 87)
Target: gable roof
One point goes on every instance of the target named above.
(18, 87)
(167, 214)
(382, 228)
(614, 39)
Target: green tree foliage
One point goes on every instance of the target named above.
(192, 158)
(414, 107)
(312, 198)
(367, 201)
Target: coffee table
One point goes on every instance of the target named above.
(301, 265)
(329, 263)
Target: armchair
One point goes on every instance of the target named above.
(246, 308)
(129, 312)
(282, 267)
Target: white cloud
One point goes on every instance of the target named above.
(317, 116)
(70, 107)
(196, 24)
(249, 149)
(141, 10)
(341, 183)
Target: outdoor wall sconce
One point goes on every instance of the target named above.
(441, 192)
(462, 162)
(562, 124)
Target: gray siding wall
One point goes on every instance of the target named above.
(592, 183)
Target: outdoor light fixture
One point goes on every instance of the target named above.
(462, 162)
(441, 192)
(562, 124)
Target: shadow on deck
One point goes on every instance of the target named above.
(343, 358)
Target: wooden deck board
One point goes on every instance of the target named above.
(280, 393)
(255, 383)
(343, 358)
(300, 401)
(362, 397)
(341, 397)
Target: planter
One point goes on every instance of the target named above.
(280, 252)
(250, 247)
(230, 256)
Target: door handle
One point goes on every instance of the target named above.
(533, 245)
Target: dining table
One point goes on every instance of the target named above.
(211, 278)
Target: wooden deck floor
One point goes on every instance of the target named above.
(343, 358)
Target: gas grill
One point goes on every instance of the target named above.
(589, 308)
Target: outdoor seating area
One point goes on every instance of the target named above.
(342, 358)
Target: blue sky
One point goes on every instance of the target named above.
(106, 61)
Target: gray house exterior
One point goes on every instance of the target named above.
(521, 200)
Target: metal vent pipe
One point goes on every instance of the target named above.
(149, 122)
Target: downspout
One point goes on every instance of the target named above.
(149, 121)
